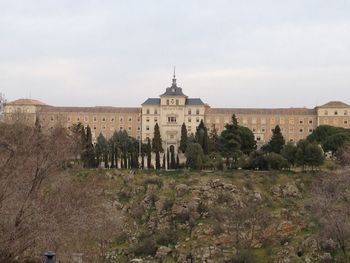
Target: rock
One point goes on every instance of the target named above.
(257, 197)
(118, 205)
(137, 260)
(290, 190)
(229, 187)
(181, 190)
(216, 183)
(162, 252)
(326, 258)
(276, 190)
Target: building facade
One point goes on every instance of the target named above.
(173, 108)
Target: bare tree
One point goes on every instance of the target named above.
(331, 205)
(41, 205)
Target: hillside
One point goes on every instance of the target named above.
(213, 217)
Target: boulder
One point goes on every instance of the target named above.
(290, 190)
(162, 252)
(181, 190)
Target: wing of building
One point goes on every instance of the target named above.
(173, 108)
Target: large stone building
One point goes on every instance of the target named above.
(172, 109)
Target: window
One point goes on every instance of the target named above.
(130, 119)
(147, 128)
(345, 121)
(189, 112)
(78, 119)
(177, 102)
(197, 111)
(139, 128)
(301, 130)
(301, 121)
(189, 119)
(112, 119)
(155, 111)
(171, 136)
(310, 121)
(197, 120)
(121, 119)
(311, 130)
(291, 129)
(326, 112)
(147, 111)
(68, 118)
(95, 119)
(86, 118)
(263, 129)
(345, 112)
(95, 127)
(103, 119)
(103, 127)
(121, 128)
(52, 118)
(129, 128)
(147, 119)
(167, 102)
(171, 119)
(155, 119)
(291, 121)
(335, 112)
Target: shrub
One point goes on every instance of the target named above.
(243, 256)
(146, 246)
(167, 237)
(276, 161)
(153, 180)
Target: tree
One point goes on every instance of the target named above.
(101, 150)
(314, 155)
(88, 155)
(2, 104)
(276, 161)
(172, 158)
(330, 206)
(194, 155)
(157, 145)
(164, 165)
(289, 153)
(168, 158)
(247, 139)
(331, 138)
(214, 146)
(149, 153)
(202, 137)
(184, 138)
(230, 141)
(277, 141)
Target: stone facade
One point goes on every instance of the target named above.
(172, 109)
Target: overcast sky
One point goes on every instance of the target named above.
(233, 53)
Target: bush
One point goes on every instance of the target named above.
(167, 237)
(146, 246)
(276, 161)
(243, 256)
(153, 180)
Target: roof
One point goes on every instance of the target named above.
(27, 102)
(257, 111)
(152, 101)
(194, 101)
(97, 109)
(173, 91)
(335, 104)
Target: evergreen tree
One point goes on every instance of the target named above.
(167, 158)
(289, 153)
(277, 141)
(89, 150)
(202, 137)
(184, 138)
(101, 150)
(172, 161)
(194, 156)
(149, 153)
(230, 141)
(163, 166)
(157, 145)
(214, 140)
(247, 139)
(314, 155)
(177, 162)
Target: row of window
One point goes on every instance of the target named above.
(95, 119)
(336, 121)
(336, 112)
(245, 121)
(155, 111)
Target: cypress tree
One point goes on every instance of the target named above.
(172, 154)
(177, 162)
(90, 155)
(202, 137)
(277, 141)
(149, 153)
(163, 162)
(184, 138)
(168, 158)
(157, 145)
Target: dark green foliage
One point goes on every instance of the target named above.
(248, 143)
(195, 156)
(309, 154)
(276, 161)
(88, 155)
(331, 138)
(172, 158)
(184, 138)
(168, 158)
(230, 140)
(177, 162)
(289, 152)
(214, 145)
(101, 149)
(157, 146)
(146, 246)
(163, 166)
(202, 137)
(277, 141)
(149, 153)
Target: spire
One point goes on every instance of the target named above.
(174, 78)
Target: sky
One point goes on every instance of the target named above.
(230, 53)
